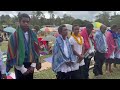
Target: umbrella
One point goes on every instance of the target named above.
(9, 29)
(47, 29)
(69, 27)
(42, 29)
(49, 38)
(97, 24)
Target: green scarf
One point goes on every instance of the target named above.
(16, 48)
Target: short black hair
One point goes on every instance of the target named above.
(89, 25)
(23, 15)
(74, 26)
(113, 26)
(61, 28)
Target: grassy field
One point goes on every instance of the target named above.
(45, 74)
(49, 74)
(4, 46)
(43, 57)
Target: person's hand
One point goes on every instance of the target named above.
(80, 58)
(4, 76)
(38, 66)
(27, 72)
(69, 63)
(31, 70)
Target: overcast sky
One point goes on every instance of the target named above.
(85, 15)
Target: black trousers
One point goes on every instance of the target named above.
(19, 75)
(0, 75)
(87, 64)
(82, 72)
(99, 61)
(69, 75)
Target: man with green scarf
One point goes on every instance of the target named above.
(23, 50)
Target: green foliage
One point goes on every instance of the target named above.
(115, 20)
(103, 18)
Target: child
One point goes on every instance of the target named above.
(2, 66)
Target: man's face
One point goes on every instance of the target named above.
(24, 23)
(90, 30)
(104, 29)
(76, 30)
(64, 31)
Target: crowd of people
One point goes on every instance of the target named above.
(71, 56)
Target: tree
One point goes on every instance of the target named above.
(5, 20)
(67, 19)
(51, 16)
(85, 22)
(18, 14)
(39, 14)
(34, 20)
(103, 18)
(58, 21)
(115, 20)
(38, 18)
(78, 21)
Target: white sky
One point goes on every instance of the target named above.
(84, 15)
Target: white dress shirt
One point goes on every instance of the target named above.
(78, 49)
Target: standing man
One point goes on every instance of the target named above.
(77, 42)
(101, 49)
(64, 60)
(23, 50)
(86, 33)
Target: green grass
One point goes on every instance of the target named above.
(43, 57)
(114, 75)
(45, 74)
(49, 74)
(4, 46)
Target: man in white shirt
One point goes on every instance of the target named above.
(78, 49)
(64, 61)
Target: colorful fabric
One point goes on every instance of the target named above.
(16, 48)
(110, 43)
(117, 53)
(58, 53)
(113, 34)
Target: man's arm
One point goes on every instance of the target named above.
(75, 51)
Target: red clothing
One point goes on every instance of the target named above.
(86, 37)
